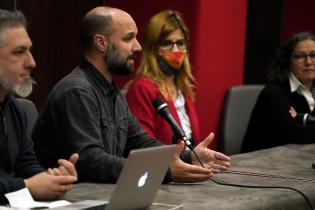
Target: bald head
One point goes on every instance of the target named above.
(104, 11)
(99, 21)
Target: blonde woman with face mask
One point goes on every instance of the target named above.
(165, 72)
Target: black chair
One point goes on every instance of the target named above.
(31, 113)
(238, 105)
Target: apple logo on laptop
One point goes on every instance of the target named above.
(143, 179)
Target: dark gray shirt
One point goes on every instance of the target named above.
(86, 114)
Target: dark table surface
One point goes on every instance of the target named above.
(284, 166)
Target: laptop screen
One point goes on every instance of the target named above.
(141, 178)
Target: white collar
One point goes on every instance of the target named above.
(295, 84)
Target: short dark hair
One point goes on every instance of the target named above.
(11, 19)
(281, 64)
(93, 24)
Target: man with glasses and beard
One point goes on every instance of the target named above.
(85, 112)
(19, 167)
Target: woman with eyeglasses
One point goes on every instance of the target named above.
(165, 72)
(284, 111)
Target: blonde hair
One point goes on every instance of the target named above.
(157, 29)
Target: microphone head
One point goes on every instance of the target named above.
(158, 104)
(162, 109)
(305, 119)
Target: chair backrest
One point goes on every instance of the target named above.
(31, 112)
(238, 105)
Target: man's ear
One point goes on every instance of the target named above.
(100, 42)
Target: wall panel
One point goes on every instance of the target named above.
(54, 30)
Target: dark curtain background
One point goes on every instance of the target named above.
(53, 26)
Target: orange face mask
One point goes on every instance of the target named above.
(174, 59)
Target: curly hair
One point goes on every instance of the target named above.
(280, 69)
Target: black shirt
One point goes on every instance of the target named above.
(271, 124)
(86, 114)
(17, 158)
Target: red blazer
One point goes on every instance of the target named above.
(140, 96)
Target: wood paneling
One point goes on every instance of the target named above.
(262, 38)
(54, 30)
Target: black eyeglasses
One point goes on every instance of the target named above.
(167, 45)
(301, 57)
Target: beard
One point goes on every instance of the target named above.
(117, 64)
(22, 90)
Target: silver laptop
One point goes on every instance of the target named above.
(141, 178)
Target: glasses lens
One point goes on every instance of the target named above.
(301, 57)
(181, 44)
(312, 55)
(168, 45)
